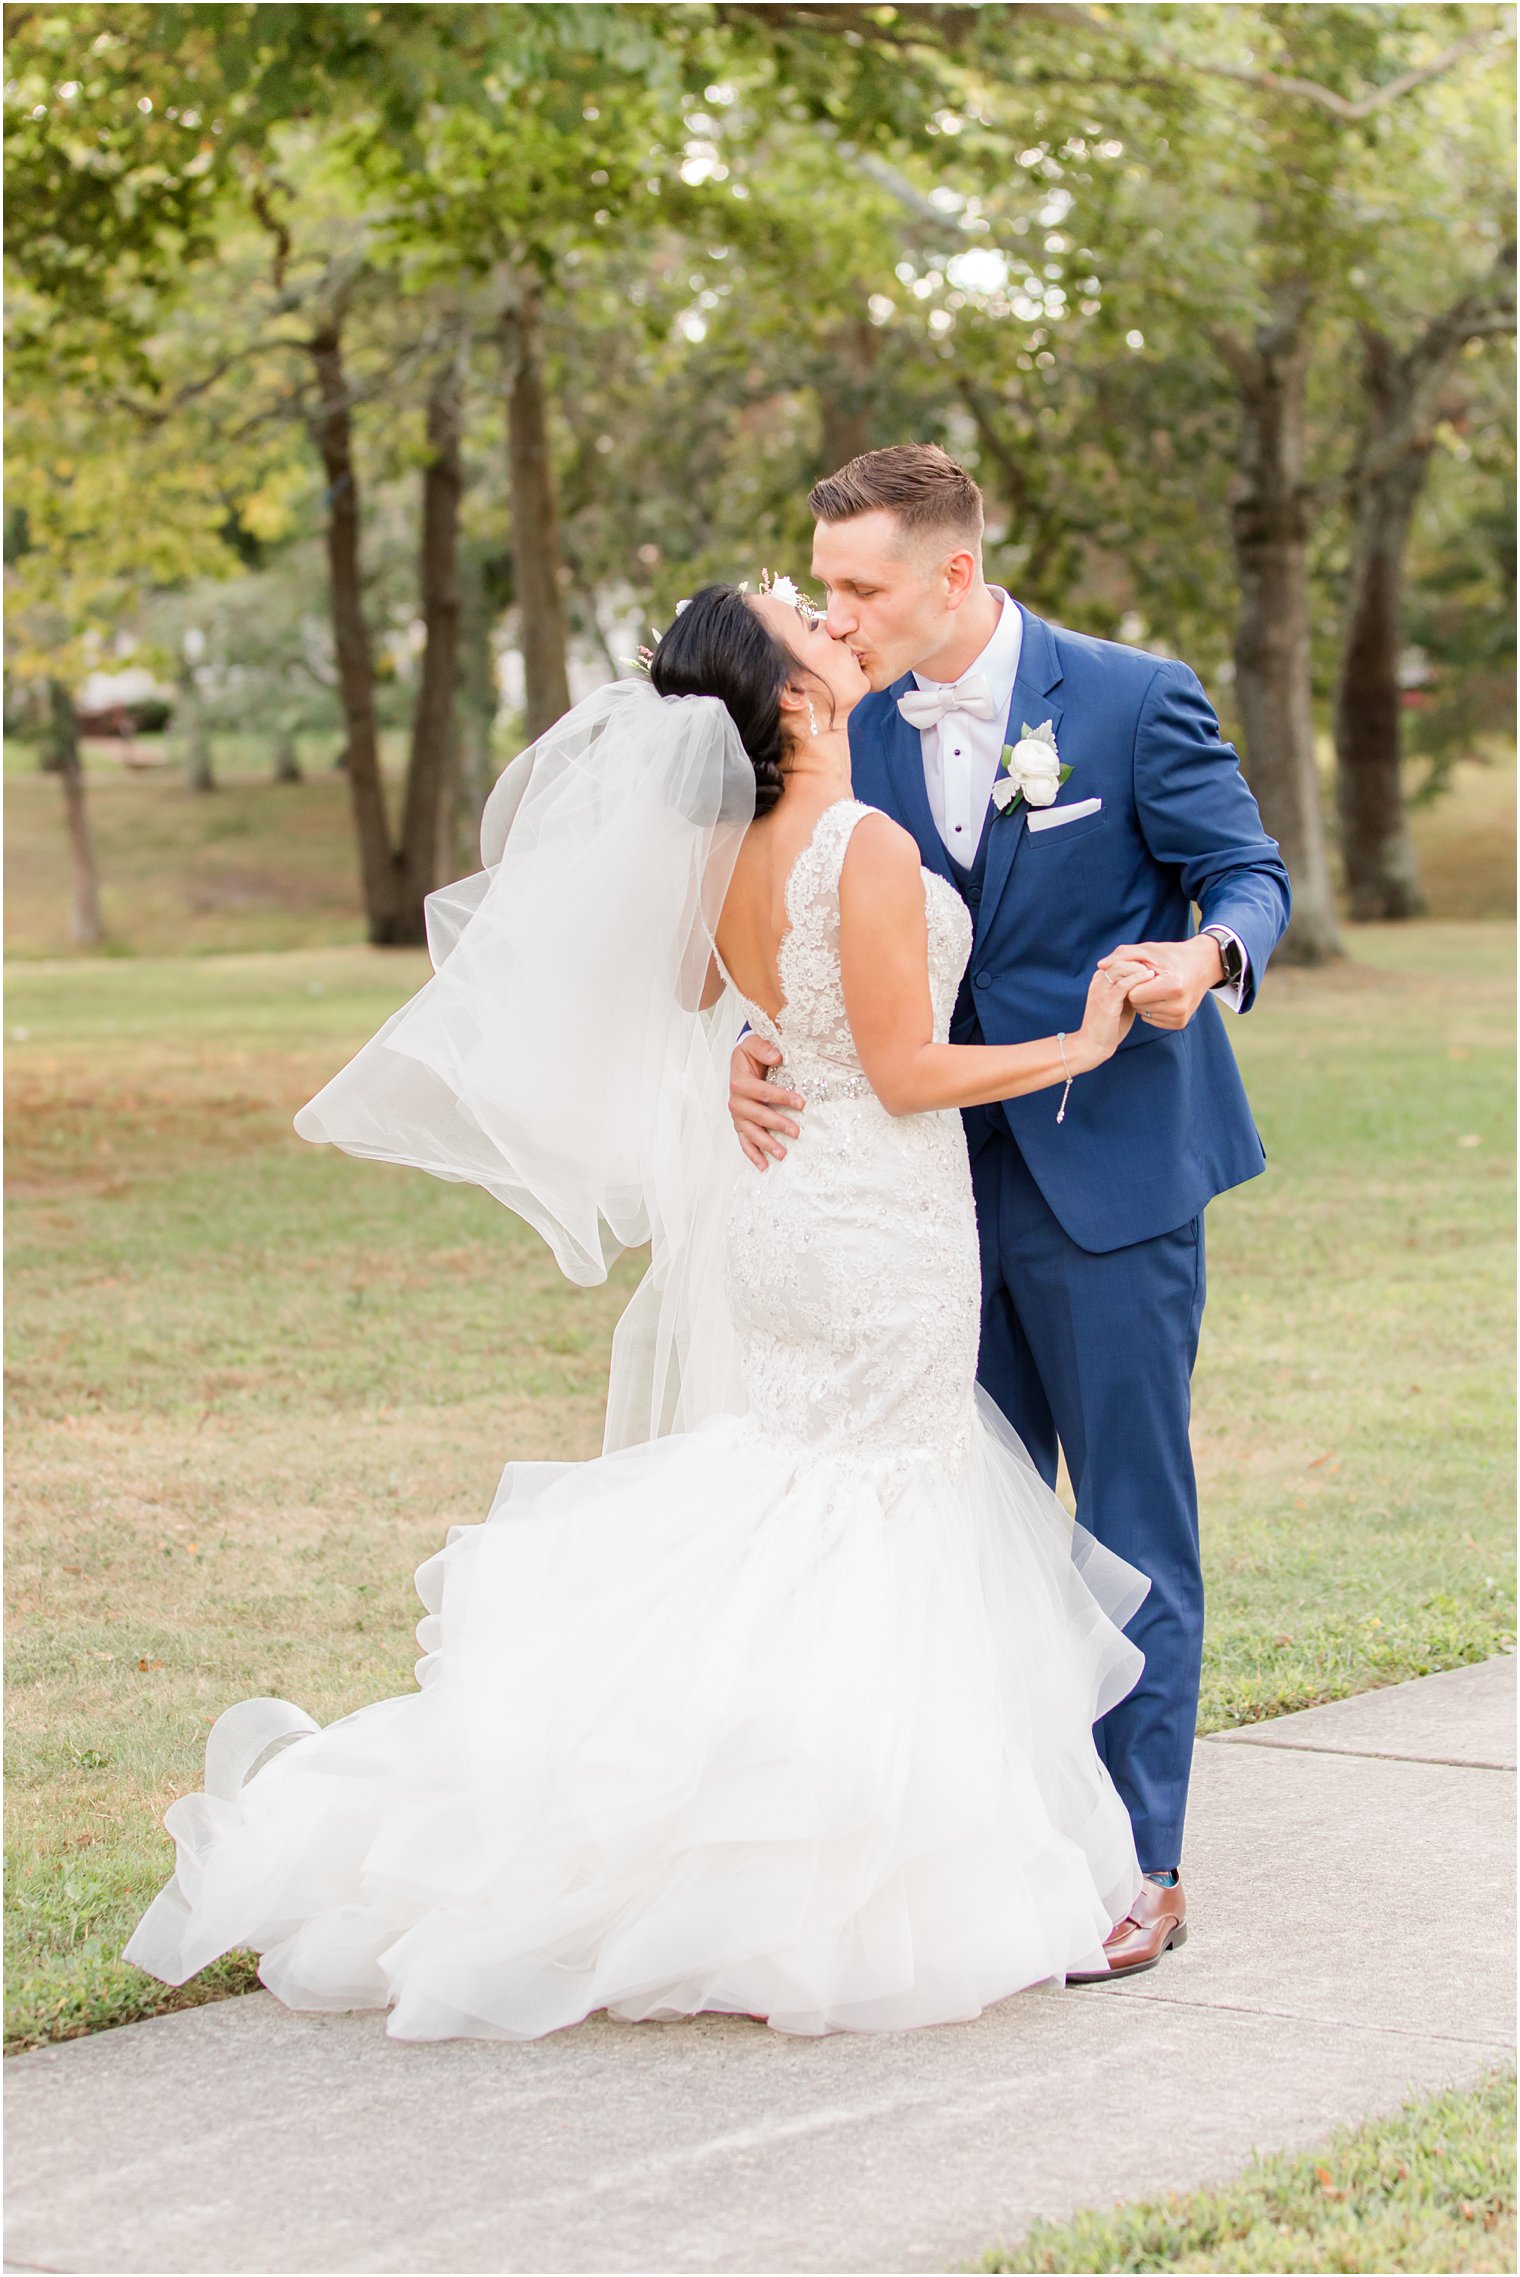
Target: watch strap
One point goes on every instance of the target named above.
(1231, 956)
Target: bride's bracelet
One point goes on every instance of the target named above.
(1066, 1064)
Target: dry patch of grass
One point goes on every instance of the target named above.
(1466, 841)
(255, 864)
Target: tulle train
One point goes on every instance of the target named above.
(705, 1725)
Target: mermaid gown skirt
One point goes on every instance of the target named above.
(788, 1715)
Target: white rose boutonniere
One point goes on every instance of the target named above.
(1030, 769)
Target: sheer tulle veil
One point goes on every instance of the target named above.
(559, 1056)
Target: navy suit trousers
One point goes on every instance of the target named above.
(1093, 1352)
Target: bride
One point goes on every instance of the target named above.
(784, 1705)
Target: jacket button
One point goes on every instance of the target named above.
(973, 893)
(984, 980)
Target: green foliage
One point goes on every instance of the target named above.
(1462, 610)
(769, 237)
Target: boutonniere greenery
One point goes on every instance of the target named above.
(1030, 769)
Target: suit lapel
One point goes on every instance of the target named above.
(1039, 672)
(905, 770)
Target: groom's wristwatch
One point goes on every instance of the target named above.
(1232, 956)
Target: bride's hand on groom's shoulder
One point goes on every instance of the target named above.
(758, 1109)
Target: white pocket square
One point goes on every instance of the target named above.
(1052, 817)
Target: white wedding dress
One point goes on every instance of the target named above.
(788, 1714)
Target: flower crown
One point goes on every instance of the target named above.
(777, 588)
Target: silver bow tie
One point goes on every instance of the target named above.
(926, 707)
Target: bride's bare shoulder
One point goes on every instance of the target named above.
(880, 855)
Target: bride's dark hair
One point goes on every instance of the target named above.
(718, 646)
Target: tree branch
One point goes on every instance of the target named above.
(1352, 110)
(1409, 384)
(1423, 372)
(269, 220)
(949, 26)
(1003, 456)
(886, 177)
(1486, 309)
(1239, 359)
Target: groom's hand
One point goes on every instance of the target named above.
(757, 1107)
(1185, 972)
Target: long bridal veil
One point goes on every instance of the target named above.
(559, 1057)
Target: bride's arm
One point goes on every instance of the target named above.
(884, 954)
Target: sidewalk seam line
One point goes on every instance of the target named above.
(1243, 1738)
(1298, 2016)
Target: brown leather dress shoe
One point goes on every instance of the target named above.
(1153, 1925)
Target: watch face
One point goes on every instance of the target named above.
(1232, 963)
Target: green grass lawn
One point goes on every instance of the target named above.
(252, 1382)
(1430, 2189)
(1353, 1417)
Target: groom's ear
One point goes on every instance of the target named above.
(959, 571)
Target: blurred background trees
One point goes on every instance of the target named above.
(387, 371)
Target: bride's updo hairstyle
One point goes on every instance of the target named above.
(718, 646)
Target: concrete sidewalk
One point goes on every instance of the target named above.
(1350, 1871)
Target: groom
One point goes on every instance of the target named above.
(1091, 1228)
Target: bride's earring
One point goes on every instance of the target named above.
(812, 720)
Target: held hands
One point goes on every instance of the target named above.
(757, 1107)
(1110, 1012)
(1183, 973)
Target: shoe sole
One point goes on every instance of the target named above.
(1135, 1969)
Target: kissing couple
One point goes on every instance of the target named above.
(806, 1700)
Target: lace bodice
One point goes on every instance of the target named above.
(852, 1266)
(813, 1030)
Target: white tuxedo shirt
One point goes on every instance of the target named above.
(961, 754)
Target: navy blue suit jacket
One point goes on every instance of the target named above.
(1163, 1126)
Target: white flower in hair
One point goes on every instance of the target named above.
(781, 589)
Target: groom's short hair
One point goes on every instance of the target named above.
(917, 482)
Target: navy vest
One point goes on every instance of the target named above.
(969, 885)
(970, 881)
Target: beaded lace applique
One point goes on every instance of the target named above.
(852, 1267)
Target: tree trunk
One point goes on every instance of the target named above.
(86, 925)
(287, 760)
(332, 431)
(1270, 528)
(430, 764)
(535, 517)
(1403, 393)
(474, 770)
(199, 773)
(848, 408)
(1376, 846)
